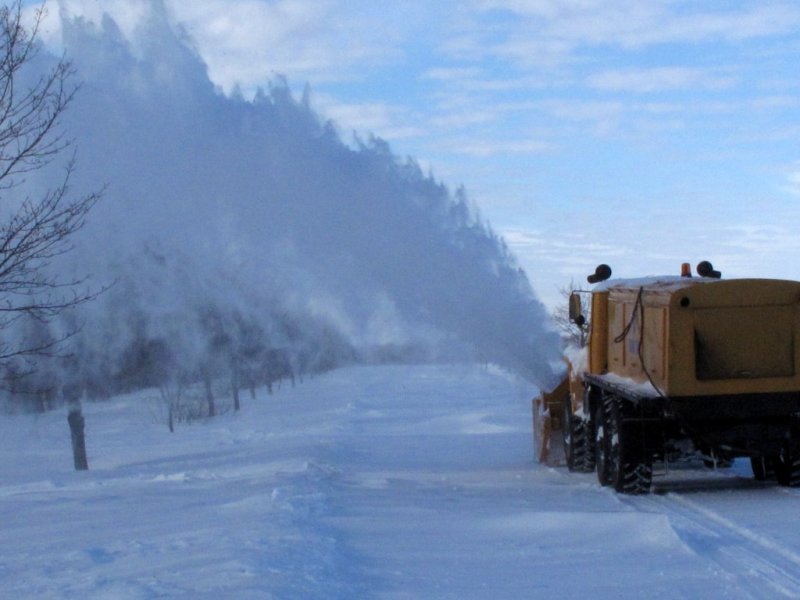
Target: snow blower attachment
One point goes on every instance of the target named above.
(549, 448)
(678, 368)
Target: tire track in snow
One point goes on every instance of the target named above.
(763, 567)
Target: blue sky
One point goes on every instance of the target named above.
(641, 134)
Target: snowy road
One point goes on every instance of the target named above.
(383, 482)
(761, 565)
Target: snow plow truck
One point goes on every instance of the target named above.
(676, 367)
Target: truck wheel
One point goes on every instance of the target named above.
(629, 470)
(578, 445)
(787, 468)
(588, 464)
(763, 467)
(574, 432)
(601, 445)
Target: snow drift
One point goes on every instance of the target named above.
(246, 234)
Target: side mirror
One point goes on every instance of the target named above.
(576, 310)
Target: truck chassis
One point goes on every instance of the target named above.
(619, 432)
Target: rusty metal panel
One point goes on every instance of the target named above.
(598, 334)
(654, 347)
(745, 342)
(616, 324)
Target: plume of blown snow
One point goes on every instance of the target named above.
(230, 223)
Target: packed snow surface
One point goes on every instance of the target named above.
(368, 482)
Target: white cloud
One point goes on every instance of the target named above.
(658, 80)
(545, 32)
(793, 179)
(484, 148)
(464, 117)
(386, 120)
(452, 74)
(765, 248)
(776, 102)
(249, 41)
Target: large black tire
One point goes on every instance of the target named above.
(601, 445)
(573, 433)
(629, 470)
(589, 452)
(787, 468)
(577, 445)
(763, 467)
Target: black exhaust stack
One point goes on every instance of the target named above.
(706, 269)
(601, 273)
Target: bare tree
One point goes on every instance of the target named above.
(34, 231)
(171, 391)
(574, 334)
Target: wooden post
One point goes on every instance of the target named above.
(212, 408)
(76, 427)
(235, 387)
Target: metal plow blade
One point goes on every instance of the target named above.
(548, 440)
